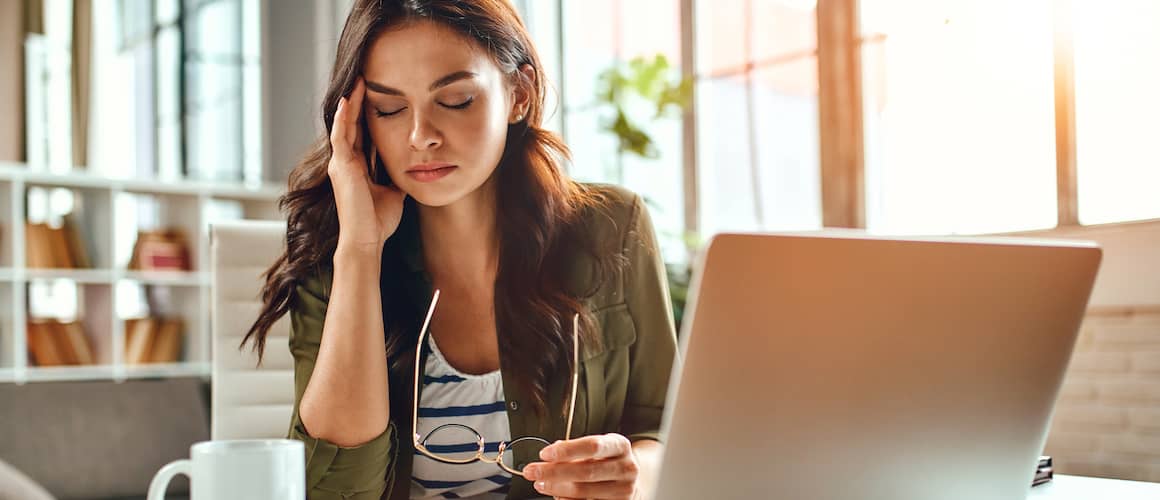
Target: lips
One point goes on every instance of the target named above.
(428, 172)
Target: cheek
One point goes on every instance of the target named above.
(483, 129)
(390, 138)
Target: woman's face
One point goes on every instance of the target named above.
(438, 110)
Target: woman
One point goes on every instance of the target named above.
(436, 175)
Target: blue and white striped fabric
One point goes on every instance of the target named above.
(476, 401)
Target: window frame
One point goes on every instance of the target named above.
(839, 75)
(840, 113)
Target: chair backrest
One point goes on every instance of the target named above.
(249, 401)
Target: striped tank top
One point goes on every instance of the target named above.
(476, 401)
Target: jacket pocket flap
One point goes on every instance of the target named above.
(617, 327)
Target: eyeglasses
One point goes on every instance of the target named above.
(421, 442)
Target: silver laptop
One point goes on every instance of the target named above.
(835, 366)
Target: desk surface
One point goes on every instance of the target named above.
(1064, 487)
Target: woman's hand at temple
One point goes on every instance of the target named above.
(356, 195)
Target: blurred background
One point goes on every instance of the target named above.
(129, 126)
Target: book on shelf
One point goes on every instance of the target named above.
(42, 348)
(153, 340)
(138, 340)
(160, 250)
(75, 245)
(79, 348)
(38, 246)
(167, 342)
(56, 343)
(48, 247)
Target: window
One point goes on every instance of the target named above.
(221, 68)
(597, 36)
(757, 112)
(183, 78)
(959, 116)
(1118, 170)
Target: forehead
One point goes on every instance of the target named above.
(415, 54)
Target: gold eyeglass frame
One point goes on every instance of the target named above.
(420, 441)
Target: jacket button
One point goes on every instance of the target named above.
(514, 405)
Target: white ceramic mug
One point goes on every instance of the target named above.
(251, 469)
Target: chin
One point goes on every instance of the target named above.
(448, 190)
(434, 196)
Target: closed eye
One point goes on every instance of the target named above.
(462, 105)
(380, 113)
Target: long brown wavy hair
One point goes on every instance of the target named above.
(539, 209)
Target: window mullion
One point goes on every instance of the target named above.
(1065, 135)
(688, 118)
(840, 114)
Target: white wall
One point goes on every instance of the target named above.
(300, 37)
(1130, 273)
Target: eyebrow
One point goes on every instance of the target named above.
(442, 82)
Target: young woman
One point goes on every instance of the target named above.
(543, 369)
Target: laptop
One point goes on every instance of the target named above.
(839, 366)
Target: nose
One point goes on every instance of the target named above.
(424, 134)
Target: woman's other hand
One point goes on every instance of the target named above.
(602, 467)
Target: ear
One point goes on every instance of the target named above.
(523, 89)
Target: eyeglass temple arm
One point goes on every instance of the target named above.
(575, 373)
(418, 352)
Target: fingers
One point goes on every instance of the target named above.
(607, 489)
(338, 130)
(587, 467)
(587, 448)
(583, 472)
(345, 131)
(354, 129)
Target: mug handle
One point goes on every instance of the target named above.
(161, 480)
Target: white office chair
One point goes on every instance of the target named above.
(248, 401)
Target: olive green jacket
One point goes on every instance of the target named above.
(622, 386)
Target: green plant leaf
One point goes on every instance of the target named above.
(632, 138)
(652, 80)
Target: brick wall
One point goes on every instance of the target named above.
(1107, 419)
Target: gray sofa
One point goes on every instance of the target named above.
(100, 439)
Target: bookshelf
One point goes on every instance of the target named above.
(107, 213)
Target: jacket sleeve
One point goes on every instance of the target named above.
(332, 472)
(653, 353)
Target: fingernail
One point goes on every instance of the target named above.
(531, 473)
(541, 486)
(547, 454)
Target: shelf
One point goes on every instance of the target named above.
(109, 276)
(86, 276)
(105, 372)
(84, 180)
(187, 369)
(110, 212)
(170, 278)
